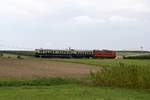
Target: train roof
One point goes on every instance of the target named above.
(74, 50)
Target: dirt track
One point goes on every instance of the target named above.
(35, 68)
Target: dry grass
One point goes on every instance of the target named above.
(28, 68)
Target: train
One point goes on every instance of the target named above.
(72, 53)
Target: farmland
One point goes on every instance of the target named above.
(128, 53)
(104, 62)
(28, 68)
(63, 79)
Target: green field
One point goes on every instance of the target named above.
(118, 73)
(71, 92)
(128, 53)
(65, 89)
(57, 89)
(105, 62)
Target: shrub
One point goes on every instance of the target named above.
(19, 57)
(1, 54)
(124, 75)
(138, 57)
(36, 82)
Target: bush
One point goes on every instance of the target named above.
(36, 82)
(22, 53)
(19, 57)
(124, 75)
(138, 57)
(8, 57)
(1, 54)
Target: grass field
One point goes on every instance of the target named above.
(119, 73)
(71, 92)
(105, 62)
(43, 89)
(128, 53)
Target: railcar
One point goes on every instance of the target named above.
(104, 54)
(71, 53)
(82, 54)
(49, 53)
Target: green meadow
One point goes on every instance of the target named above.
(117, 79)
(72, 92)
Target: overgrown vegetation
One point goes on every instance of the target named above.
(19, 57)
(36, 81)
(21, 53)
(118, 73)
(138, 57)
(1, 54)
(123, 75)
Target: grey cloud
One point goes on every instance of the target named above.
(79, 24)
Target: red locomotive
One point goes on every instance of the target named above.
(104, 54)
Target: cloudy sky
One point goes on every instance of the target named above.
(80, 24)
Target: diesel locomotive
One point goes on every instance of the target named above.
(71, 53)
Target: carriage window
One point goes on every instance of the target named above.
(59, 52)
(55, 52)
(40, 51)
(66, 52)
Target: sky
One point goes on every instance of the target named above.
(79, 24)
